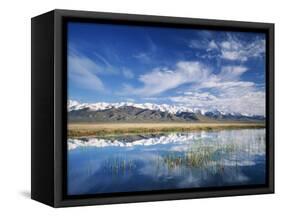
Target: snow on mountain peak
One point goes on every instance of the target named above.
(173, 109)
(74, 105)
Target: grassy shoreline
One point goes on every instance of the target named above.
(111, 129)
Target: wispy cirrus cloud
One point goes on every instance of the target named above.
(205, 89)
(230, 48)
(232, 72)
(234, 49)
(163, 79)
(212, 45)
(195, 68)
(127, 73)
(83, 71)
(147, 54)
(226, 92)
(86, 71)
(160, 80)
(232, 98)
(143, 57)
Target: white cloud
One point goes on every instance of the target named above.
(160, 80)
(130, 100)
(241, 100)
(85, 72)
(144, 57)
(226, 92)
(197, 44)
(103, 59)
(232, 72)
(234, 49)
(82, 71)
(212, 46)
(127, 73)
(205, 90)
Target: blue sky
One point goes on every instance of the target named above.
(196, 68)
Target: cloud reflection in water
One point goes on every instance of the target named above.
(167, 161)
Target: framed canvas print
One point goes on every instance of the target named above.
(131, 108)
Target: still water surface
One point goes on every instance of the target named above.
(167, 161)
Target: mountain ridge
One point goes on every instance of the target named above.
(75, 105)
(148, 112)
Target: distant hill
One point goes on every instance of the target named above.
(129, 112)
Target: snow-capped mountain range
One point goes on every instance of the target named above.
(172, 109)
(74, 105)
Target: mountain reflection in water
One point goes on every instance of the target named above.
(166, 161)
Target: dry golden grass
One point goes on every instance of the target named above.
(103, 129)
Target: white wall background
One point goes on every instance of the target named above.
(15, 106)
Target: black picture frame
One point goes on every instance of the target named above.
(49, 107)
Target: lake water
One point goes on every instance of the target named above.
(168, 161)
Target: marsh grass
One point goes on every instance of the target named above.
(85, 129)
(201, 157)
(119, 165)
